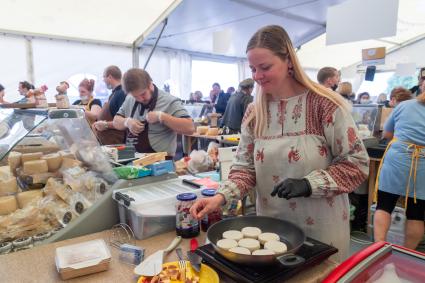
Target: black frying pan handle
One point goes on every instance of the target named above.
(290, 260)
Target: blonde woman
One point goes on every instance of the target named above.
(346, 90)
(299, 147)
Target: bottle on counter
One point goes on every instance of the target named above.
(186, 225)
(213, 217)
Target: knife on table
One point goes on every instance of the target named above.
(195, 260)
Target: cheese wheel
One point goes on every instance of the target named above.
(276, 246)
(66, 154)
(251, 232)
(27, 197)
(31, 156)
(5, 172)
(265, 237)
(201, 130)
(212, 132)
(263, 252)
(233, 235)
(54, 161)
(240, 250)
(8, 205)
(14, 160)
(227, 244)
(70, 163)
(35, 166)
(250, 244)
(8, 186)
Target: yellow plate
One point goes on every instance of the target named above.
(206, 274)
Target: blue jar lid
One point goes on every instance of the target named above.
(208, 192)
(186, 196)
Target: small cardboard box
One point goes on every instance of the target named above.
(82, 259)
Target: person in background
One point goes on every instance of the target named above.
(23, 89)
(299, 148)
(151, 117)
(231, 90)
(416, 90)
(196, 97)
(399, 94)
(215, 92)
(382, 99)
(221, 102)
(346, 90)
(402, 171)
(92, 106)
(2, 101)
(363, 98)
(104, 126)
(328, 77)
(236, 107)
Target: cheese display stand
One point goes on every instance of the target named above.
(55, 181)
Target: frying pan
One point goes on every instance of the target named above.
(289, 233)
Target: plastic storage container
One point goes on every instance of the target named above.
(396, 232)
(150, 209)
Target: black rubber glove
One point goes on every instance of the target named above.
(292, 188)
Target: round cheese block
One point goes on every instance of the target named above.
(8, 205)
(212, 132)
(227, 244)
(66, 154)
(31, 156)
(8, 186)
(251, 232)
(27, 197)
(240, 250)
(250, 244)
(233, 234)
(14, 160)
(265, 237)
(54, 161)
(35, 166)
(201, 130)
(276, 246)
(263, 252)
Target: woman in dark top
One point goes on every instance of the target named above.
(92, 106)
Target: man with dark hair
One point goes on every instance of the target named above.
(104, 127)
(236, 107)
(152, 117)
(328, 77)
(23, 88)
(222, 99)
(416, 90)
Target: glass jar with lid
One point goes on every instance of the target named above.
(212, 217)
(187, 226)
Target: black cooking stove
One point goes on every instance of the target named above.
(311, 252)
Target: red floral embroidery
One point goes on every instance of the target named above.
(260, 155)
(281, 112)
(296, 113)
(318, 108)
(292, 205)
(309, 221)
(351, 133)
(329, 121)
(250, 147)
(269, 116)
(330, 201)
(293, 154)
(344, 215)
(339, 147)
(276, 179)
(323, 149)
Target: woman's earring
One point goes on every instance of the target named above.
(291, 72)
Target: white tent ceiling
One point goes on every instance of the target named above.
(192, 23)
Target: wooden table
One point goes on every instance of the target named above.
(38, 264)
(373, 171)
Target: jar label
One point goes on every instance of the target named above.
(184, 220)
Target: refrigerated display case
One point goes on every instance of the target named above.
(55, 182)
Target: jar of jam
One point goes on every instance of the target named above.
(186, 225)
(212, 217)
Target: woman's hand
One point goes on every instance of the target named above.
(135, 126)
(206, 205)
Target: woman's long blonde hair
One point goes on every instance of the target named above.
(275, 39)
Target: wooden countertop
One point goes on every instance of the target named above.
(38, 264)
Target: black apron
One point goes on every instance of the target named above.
(141, 142)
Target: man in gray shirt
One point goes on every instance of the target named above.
(152, 117)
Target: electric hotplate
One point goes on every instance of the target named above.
(311, 252)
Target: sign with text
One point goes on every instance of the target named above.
(373, 56)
